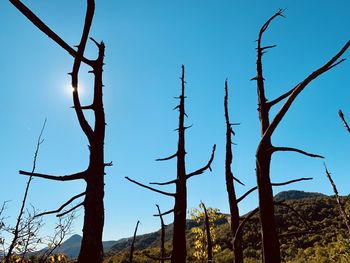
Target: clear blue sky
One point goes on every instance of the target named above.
(146, 43)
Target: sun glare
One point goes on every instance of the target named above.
(69, 90)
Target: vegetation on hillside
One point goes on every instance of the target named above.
(322, 237)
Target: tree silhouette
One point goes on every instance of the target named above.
(233, 203)
(162, 257)
(265, 149)
(132, 247)
(341, 205)
(179, 251)
(91, 246)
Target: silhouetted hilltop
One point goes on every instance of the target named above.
(296, 195)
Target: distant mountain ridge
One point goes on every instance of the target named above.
(71, 246)
(296, 195)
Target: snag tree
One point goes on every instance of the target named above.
(91, 246)
(265, 149)
(179, 251)
(233, 203)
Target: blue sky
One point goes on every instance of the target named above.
(146, 43)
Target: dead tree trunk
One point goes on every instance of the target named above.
(265, 149)
(208, 234)
(234, 212)
(91, 247)
(162, 258)
(132, 247)
(340, 203)
(179, 252)
(162, 236)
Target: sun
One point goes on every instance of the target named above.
(69, 89)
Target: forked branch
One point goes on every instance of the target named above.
(62, 206)
(70, 210)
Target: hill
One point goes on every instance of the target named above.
(318, 238)
(71, 246)
(295, 195)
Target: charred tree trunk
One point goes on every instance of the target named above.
(270, 242)
(132, 247)
(179, 251)
(91, 247)
(341, 207)
(208, 234)
(162, 236)
(234, 212)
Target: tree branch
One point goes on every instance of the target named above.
(150, 188)
(282, 97)
(167, 158)
(290, 149)
(273, 184)
(296, 212)
(156, 258)
(241, 225)
(204, 168)
(165, 213)
(75, 72)
(62, 206)
(70, 210)
(300, 87)
(165, 183)
(47, 31)
(342, 117)
(71, 177)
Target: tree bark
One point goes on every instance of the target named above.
(234, 212)
(179, 252)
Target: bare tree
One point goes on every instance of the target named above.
(207, 231)
(180, 208)
(21, 225)
(341, 206)
(233, 203)
(62, 229)
(162, 258)
(91, 247)
(265, 149)
(132, 247)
